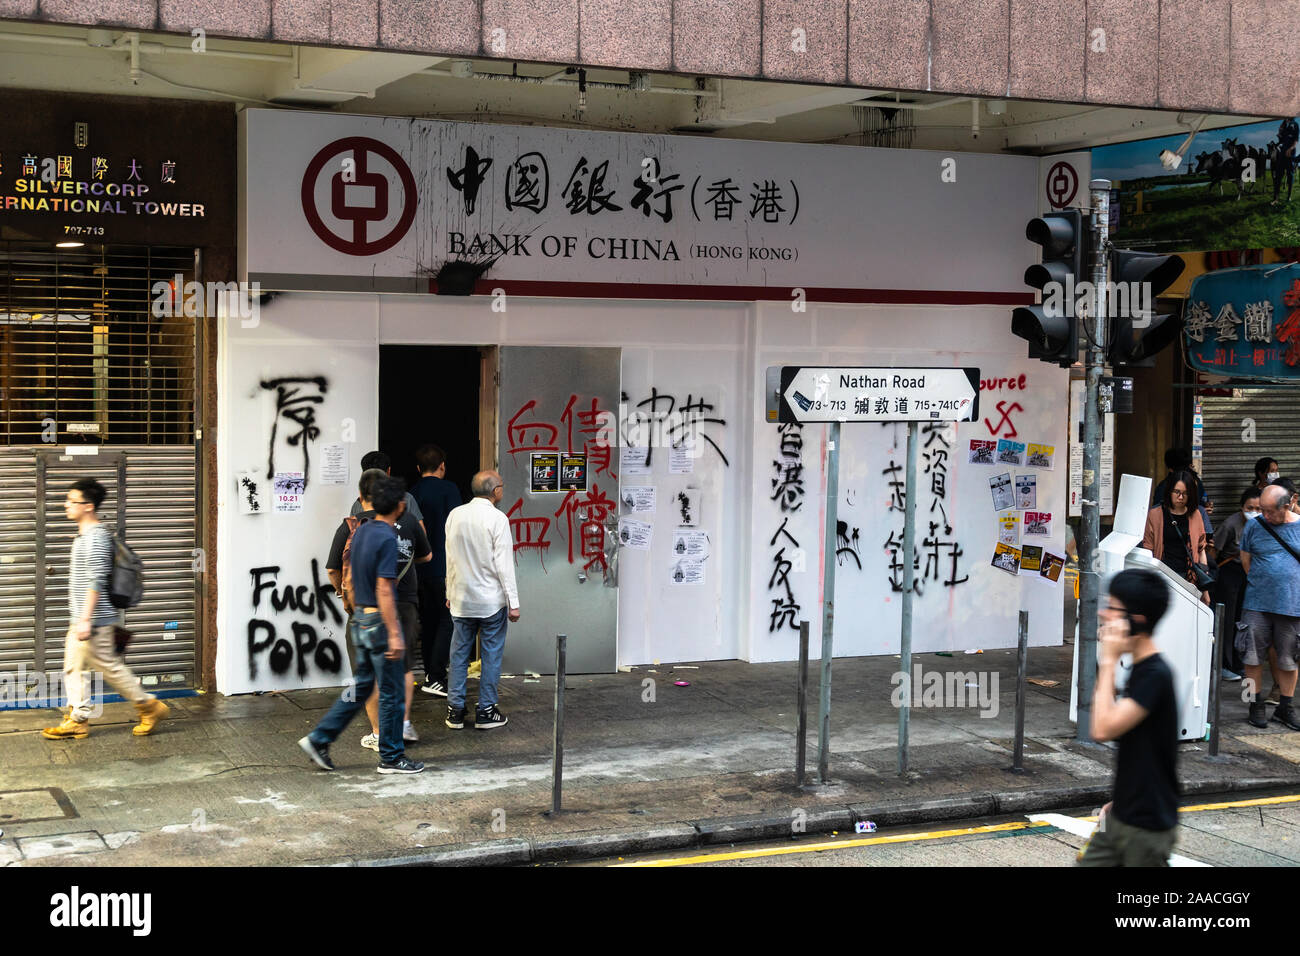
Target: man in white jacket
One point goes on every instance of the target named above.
(481, 594)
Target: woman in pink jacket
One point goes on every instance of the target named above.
(1175, 532)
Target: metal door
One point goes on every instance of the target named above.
(561, 401)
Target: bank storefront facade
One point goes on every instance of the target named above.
(630, 293)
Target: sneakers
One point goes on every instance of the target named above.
(371, 742)
(1229, 675)
(1257, 716)
(151, 711)
(435, 687)
(1271, 696)
(402, 765)
(319, 754)
(408, 733)
(1286, 715)
(487, 719)
(455, 717)
(69, 729)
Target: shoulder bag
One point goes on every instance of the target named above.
(1203, 575)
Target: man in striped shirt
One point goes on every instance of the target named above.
(90, 641)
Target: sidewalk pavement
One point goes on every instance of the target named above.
(223, 782)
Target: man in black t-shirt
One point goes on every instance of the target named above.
(412, 549)
(1139, 826)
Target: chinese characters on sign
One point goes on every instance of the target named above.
(1245, 322)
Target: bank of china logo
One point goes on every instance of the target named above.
(1062, 185)
(358, 196)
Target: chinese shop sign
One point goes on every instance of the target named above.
(1245, 323)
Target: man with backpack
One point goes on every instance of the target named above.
(371, 592)
(91, 638)
(412, 549)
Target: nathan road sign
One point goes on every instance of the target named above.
(829, 394)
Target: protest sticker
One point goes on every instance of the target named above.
(1038, 523)
(1010, 452)
(544, 471)
(1041, 456)
(1031, 559)
(1006, 558)
(1026, 492)
(1009, 529)
(1051, 567)
(981, 452)
(1003, 496)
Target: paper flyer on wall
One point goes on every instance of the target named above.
(1003, 496)
(1031, 559)
(1026, 492)
(288, 491)
(634, 533)
(1051, 568)
(1041, 456)
(639, 499)
(687, 571)
(544, 472)
(1010, 452)
(691, 544)
(981, 452)
(573, 472)
(1009, 529)
(681, 458)
(333, 463)
(632, 461)
(1006, 558)
(1038, 524)
(249, 489)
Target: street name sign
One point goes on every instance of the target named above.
(850, 394)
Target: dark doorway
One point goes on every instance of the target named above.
(430, 393)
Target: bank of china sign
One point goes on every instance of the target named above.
(357, 203)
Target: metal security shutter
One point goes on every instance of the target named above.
(1228, 463)
(17, 558)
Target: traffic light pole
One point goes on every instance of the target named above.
(1096, 328)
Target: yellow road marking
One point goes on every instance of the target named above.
(837, 845)
(931, 835)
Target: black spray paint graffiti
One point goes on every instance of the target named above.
(788, 490)
(685, 503)
(313, 600)
(939, 551)
(296, 400)
(658, 421)
(248, 488)
(846, 544)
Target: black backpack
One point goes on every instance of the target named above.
(126, 582)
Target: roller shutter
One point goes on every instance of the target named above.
(1228, 461)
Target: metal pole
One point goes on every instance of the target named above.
(1022, 664)
(557, 760)
(909, 545)
(1220, 618)
(1096, 338)
(801, 735)
(828, 602)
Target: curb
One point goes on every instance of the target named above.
(713, 831)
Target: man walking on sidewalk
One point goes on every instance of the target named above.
(437, 497)
(90, 644)
(1139, 826)
(376, 638)
(481, 593)
(1270, 616)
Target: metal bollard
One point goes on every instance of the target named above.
(557, 761)
(801, 735)
(1022, 665)
(1216, 672)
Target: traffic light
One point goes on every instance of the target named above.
(1138, 332)
(1050, 327)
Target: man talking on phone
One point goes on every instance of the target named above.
(1139, 826)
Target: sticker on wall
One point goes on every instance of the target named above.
(1009, 529)
(334, 463)
(1026, 491)
(1031, 559)
(1003, 496)
(573, 472)
(544, 472)
(635, 533)
(632, 461)
(1010, 452)
(1038, 523)
(639, 499)
(981, 452)
(691, 544)
(687, 506)
(688, 571)
(248, 487)
(288, 491)
(1041, 456)
(681, 457)
(1006, 558)
(1051, 568)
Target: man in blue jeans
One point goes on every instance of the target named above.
(481, 594)
(376, 636)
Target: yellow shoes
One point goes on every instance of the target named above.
(151, 711)
(68, 729)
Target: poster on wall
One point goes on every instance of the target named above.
(248, 487)
(688, 571)
(1026, 492)
(691, 544)
(638, 499)
(333, 463)
(981, 452)
(632, 461)
(1041, 456)
(1038, 524)
(634, 533)
(1006, 558)
(288, 491)
(1011, 452)
(681, 458)
(1003, 496)
(544, 472)
(573, 472)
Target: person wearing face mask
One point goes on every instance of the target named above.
(1266, 472)
(1232, 577)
